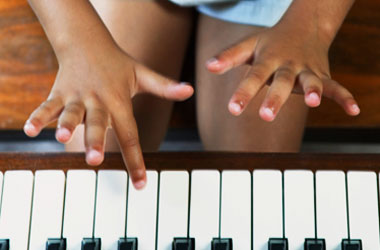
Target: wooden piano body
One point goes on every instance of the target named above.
(243, 197)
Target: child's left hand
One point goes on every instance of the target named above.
(289, 59)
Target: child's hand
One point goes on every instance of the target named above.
(288, 60)
(96, 88)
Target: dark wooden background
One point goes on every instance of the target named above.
(28, 67)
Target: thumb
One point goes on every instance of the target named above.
(232, 57)
(151, 82)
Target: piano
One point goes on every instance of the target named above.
(193, 201)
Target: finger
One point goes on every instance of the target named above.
(126, 131)
(340, 95)
(46, 113)
(232, 57)
(278, 93)
(312, 88)
(153, 83)
(71, 116)
(249, 87)
(96, 123)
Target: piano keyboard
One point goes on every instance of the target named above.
(200, 201)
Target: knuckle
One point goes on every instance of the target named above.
(243, 94)
(135, 165)
(256, 76)
(130, 140)
(276, 99)
(96, 144)
(227, 53)
(69, 120)
(92, 99)
(310, 80)
(46, 107)
(66, 124)
(74, 108)
(116, 100)
(311, 89)
(285, 77)
(97, 118)
(290, 63)
(99, 112)
(36, 121)
(96, 123)
(349, 100)
(136, 169)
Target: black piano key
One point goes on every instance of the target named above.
(4, 244)
(56, 244)
(183, 244)
(315, 244)
(127, 244)
(278, 244)
(91, 244)
(221, 244)
(349, 244)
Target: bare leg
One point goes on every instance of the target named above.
(220, 130)
(156, 34)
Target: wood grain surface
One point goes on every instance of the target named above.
(196, 161)
(27, 63)
(28, 67)
(355, 62)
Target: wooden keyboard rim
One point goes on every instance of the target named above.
(188, 161)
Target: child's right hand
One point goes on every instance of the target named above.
(96, 87)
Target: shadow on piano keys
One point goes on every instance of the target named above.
(205, 201)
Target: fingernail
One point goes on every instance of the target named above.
(94, 157)
(30, 129)
(185, 83)
(235, 107)
(139, 184)
(313, 97)
(267, 112)
(212, 62)
(63, 134)
(355, 108)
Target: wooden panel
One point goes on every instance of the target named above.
(189, 161)
(27, 63)
(355, 62)
(28, 67)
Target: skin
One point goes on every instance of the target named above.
(248, 132)
(299, 63)
(95, 84)
(97, 80)
(127, 22)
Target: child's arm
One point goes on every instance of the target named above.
(295, 53)
(95, 83)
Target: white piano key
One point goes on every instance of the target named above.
(363, 208)
(204, 215)
(47, 208)
(79, 207)
(142, 208)
(331, 208)
(1, 188)
(110, 210)
(299, 207)
(173, 207)
(236, 208)
(267, 207)
(17, 198)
